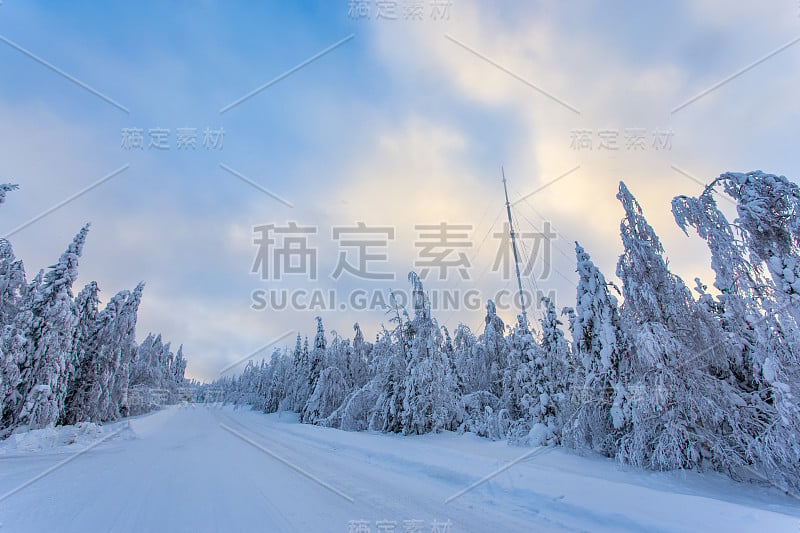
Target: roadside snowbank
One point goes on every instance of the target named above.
(61, 438)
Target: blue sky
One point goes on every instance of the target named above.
(406, 123)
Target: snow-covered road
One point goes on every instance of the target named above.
(202, 468)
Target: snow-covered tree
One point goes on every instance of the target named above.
(86, 306)
(301, 368)
(517, 378)
(743, 292)
(687, 413)
(47, 367)
(758, 317)
(388, 383)
(484, 365)
(12, 283)
(316, 364)
(17, 347)
(601, 363)
(329, 393)
(769, 217)
(548, 402)
(102, 393)
(126, 328)
(357, 373)
(279, 381)
(93, 399)
(178, 367)
(430, 402)
(13, 342)
(464, 345)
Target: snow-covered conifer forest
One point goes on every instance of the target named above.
(655, 373)
(649, 373)
(434, 266)
(63, 359)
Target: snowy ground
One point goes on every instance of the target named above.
(201, 468)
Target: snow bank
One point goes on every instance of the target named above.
(60, 438)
